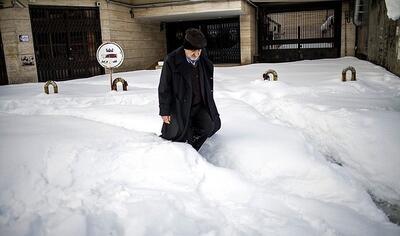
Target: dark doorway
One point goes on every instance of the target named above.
(299, 31)
(223, 38)
(3, 69)
(66, 40)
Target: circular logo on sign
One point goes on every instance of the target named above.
(110, 55)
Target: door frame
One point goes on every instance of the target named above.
(3, 66)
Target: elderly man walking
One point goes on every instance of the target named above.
(185, 93)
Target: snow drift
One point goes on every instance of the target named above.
(298, 156)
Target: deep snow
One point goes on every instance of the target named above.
(297, 156)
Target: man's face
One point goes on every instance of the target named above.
(193, 54)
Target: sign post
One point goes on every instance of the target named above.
(111, 80)
(110, 55)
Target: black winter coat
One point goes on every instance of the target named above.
(175, 93)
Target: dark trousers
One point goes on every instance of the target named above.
(200, 126)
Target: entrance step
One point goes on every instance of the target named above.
(159, 65)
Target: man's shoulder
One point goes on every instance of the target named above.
(207, 61)
(175, 57)
(175, 52)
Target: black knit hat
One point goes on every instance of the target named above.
(194, 39)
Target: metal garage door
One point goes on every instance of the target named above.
(299, 31)
(65, 41)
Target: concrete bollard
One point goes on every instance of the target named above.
(124, 84)
(52, 83)
(270, 71)
(353, 73)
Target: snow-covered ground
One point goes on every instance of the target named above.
(297, 156)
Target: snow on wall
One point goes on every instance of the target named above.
(393, 9)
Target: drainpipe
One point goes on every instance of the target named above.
(251, 3)
(359, 10)
(255, 6)
(345, 38)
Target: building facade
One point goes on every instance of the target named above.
(57, 39)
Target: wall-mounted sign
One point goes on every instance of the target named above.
(27, 60)
(110, 55)
(24, 38)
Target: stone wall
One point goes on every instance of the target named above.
(348, 32)
(383, 47)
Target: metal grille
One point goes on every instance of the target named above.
(3, 69)
(296, 32)
(65, 41)
(223, 38)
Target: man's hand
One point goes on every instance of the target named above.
(166, 119)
